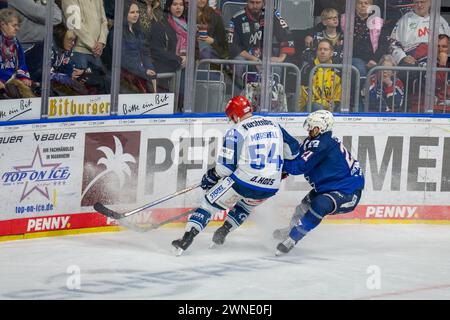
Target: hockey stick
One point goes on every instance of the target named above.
(153, 226)
(100, 208)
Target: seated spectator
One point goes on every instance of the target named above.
(211, 33)
(442, 91)
(386, 89)
(367, 48)
(442, 77)
(15, 79)
(330, 20)
(409, 39)
(326, 82)
(32, 31)
(138, 73)
(65, 79)
(91, 29)
(245, 37)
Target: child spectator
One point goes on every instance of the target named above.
(326, 81)
(15, 79)
(138, 72)
(386, 90)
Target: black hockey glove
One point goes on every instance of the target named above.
(209, 179)
(284, 175)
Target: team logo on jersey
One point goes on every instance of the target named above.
(111, 162)
(227, 153)
(245, 27)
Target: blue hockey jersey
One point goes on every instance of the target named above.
(327, 165)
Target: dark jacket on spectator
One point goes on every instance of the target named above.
(216, 30)
(135, 58)
(162, 44)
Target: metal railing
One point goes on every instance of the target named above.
(407, 87)
(312, 74)
(223, 63)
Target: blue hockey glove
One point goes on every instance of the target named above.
(209, 179)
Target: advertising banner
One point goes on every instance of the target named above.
(20, 109)
(79, 106)
(57, 170)
(140, 104)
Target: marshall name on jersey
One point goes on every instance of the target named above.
(253, 153)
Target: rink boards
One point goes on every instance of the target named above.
(53, 173)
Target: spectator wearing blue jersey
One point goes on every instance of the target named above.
(247, 172)
(335, 176)
(15, 79)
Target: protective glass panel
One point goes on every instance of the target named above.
(81, 59)
(399, 32)
(229, 47)
(319, 48)
(153, 53)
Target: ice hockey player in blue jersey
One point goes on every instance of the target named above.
(333, 173)
(248, 171)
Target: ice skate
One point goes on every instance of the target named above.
(285, 246)
(220, 234)
(182, 244)
(281, 234)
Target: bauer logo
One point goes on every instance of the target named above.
(110, 171)
(36, 176)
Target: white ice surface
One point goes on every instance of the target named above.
(332, 262)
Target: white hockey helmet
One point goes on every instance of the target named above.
(322, 119)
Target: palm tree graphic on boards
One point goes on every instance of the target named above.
(114, 163)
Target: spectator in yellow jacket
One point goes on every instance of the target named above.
(326, 88)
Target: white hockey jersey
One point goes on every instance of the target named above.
(253, 153)
(412, 31)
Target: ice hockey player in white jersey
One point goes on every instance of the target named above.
(248, 171)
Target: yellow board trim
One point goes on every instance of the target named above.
(59, 233)
(214, 223)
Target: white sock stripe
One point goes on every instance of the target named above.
(233, 221)
(188, 227)
(318, 216)
(334, 201)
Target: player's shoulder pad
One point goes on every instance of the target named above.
(315, 145)
(233, 135)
